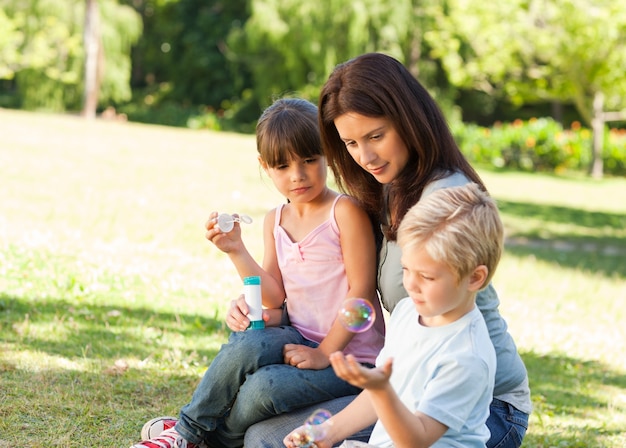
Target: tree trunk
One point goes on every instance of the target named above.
(91, 38)
(557, 111)
(597, 126)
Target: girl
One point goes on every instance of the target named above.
(319, 250)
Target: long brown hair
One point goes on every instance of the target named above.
(377, 85)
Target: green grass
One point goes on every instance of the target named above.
(112, 302)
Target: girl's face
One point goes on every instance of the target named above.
(299, 180)
(374, 144)
(437, 295)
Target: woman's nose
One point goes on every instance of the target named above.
(366, 155)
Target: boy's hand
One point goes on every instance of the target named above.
(304, 357)
(299, 437)
(348, 369)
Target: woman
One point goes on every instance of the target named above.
(389, 145)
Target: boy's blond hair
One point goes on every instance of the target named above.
(459, 226)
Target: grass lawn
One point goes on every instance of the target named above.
(112, 302)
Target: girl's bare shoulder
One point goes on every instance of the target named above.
(348, 208)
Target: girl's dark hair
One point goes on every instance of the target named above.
(376, 85)
(288, 127)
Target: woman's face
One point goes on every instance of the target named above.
(374, 144)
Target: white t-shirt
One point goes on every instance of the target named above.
(445, 372)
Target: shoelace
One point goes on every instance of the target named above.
(167, 439)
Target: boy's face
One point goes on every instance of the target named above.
(432, 285)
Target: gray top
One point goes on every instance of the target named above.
(511, 376)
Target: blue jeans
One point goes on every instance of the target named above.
(507, 425)
(248, 382)
(270, 433)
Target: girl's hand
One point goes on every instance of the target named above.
(304, 357)
(348, 369)
(226, 242)
(299, 436)
(236, 318)
(237, 315)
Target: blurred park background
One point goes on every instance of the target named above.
(215, 64)
(124, 123)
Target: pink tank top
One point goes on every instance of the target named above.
(316, 284)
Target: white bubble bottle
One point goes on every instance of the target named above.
(252, 292)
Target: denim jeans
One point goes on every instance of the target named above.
(270, 433)
(507, 425)
(248, 382)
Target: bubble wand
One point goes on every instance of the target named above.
(226, 222)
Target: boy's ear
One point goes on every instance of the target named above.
(262, 163)
(478, 277)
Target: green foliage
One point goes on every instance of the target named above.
(539, 145)
(614, 154)
(587, 56)
(184, 44)
(10, 39)
(154, 105)
(529, 51)
(121, 28)
(48, 70)
(208, 120)
(291, 46)
(50, 50)
(168, 113)
(216, 63)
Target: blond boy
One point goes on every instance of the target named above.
(435, 375)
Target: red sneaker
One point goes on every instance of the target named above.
(167, 439)
(156, 426)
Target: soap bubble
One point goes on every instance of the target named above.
(317, 424)
(357, 315)
(315, 428)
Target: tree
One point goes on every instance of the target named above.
(93, 59)
(548, 50)
(10, 40)
(49, 70)
(290, 45)
(182, 51)
(120, 28)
